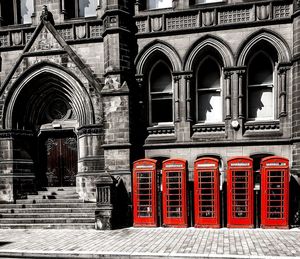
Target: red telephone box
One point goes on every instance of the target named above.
(240, 192)
(174, 193)
(206, 192)
(144, 193)
(274, 192)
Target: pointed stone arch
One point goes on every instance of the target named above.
(270, 37)
(154, 48)
(35, 80)
(213, 43)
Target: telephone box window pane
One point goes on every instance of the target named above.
(26, 11)
(275, 195)
(260, 103)
(155, 4)
(174, 194)
(240, 194)
(209, 107)
(87, 8)
(206, 194)
(162, 110)
(144, 189)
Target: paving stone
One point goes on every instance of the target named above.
(150, 243)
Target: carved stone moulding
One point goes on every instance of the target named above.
(90, 129)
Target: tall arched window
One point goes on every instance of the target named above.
(161, 94)
(260, 96)
(209, 95)
(156, 4)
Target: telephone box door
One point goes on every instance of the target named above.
(174, 193)
(206, 192)
(144, 193)
(274, 192)
(240, 192)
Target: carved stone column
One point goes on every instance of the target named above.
(105, 199)
(176, 97)
(188, 79)
(241, 100)
(282, 91)
(228, 75)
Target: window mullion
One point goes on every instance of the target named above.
(15, 8)
(76, 8)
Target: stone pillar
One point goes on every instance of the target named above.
(296, 91)
(228, 114)
(105, 200)
(176, 98)
(188, 79)
(6, 168)
(282, 91)
(90, 161)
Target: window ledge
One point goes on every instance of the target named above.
(209, 128)
(161, 129)
(262, 125)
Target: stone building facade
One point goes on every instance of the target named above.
(102, 83)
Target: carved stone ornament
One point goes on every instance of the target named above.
(80, 31)
(156, 24)
(46, 15)
(263, 12)
(298, 3)
(111, 83)
(208, 18)
(16, 38)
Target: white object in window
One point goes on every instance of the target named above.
(87, 8)
(207, 1)
(260, 88)
(157, 4)
(26, 11)
(209, 98)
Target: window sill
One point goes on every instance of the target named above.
(209, 127)
(255, 128)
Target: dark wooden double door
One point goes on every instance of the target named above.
(59, 160)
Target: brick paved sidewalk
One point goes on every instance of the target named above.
(150, 243)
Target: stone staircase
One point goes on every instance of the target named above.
(54, 208)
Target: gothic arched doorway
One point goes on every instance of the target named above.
(50, 104)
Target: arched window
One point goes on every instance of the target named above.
(156, 4)
(209, 96)
(17, 11)
(80, 8)
(161, 94)
(260, 97)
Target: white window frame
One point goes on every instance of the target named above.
(272, 86)
(208, 1)
(207, 90)
(150, 94)
(77, 9)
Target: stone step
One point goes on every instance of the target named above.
(49, 205)
(53, 196)
(35, 201)
(48, 226)
(46, 215)
(47, 210)
(46, 220)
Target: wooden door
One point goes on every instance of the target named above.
(61, 159)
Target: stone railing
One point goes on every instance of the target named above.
(77, 31)
(205, 17)
(262, 126)
(214, 128)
